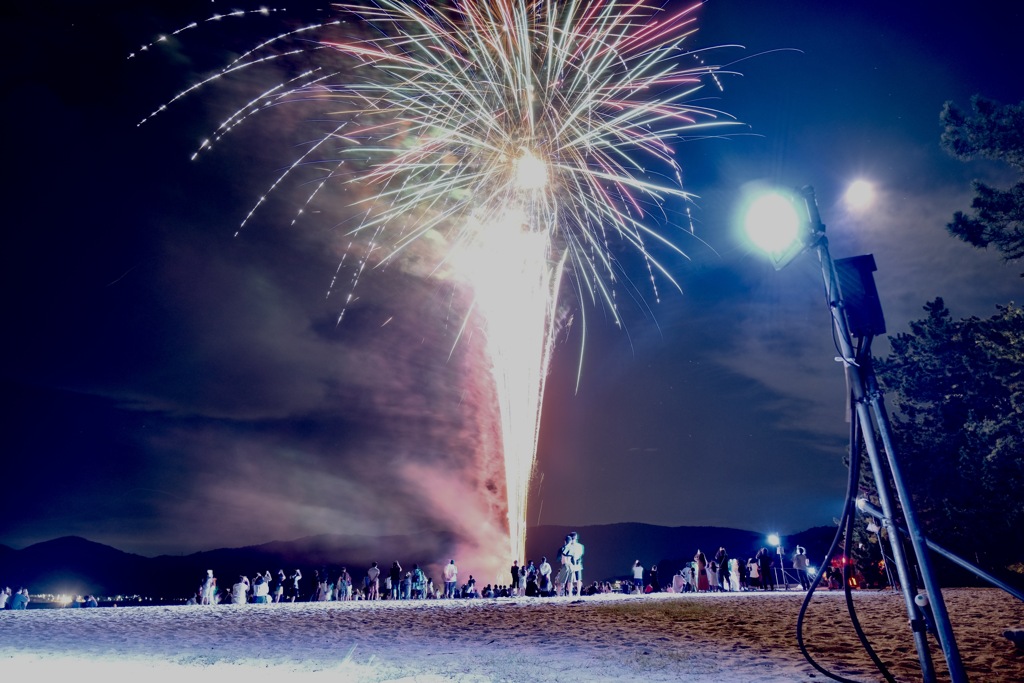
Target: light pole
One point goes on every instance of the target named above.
(862, 317)
(775, 541)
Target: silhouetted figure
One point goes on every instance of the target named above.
(293, 585)
(764, 567)
(208, 589)
(703, 585)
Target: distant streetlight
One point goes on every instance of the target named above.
(775, 541)
(853, 302)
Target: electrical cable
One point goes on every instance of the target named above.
(845, 528)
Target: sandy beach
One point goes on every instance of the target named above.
(662, 637)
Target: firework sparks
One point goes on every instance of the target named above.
(535, 137)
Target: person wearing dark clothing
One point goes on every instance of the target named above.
(514, 571)
(764, 566)
(531, 579)
(396, 580)
(722, 558)
(293, 586)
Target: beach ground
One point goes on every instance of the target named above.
(750, 637)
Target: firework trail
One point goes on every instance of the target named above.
(534, 137)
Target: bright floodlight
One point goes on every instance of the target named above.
(531, 172)
(860, 195)
(772, 223)
(773, 539)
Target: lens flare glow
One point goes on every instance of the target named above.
(860, 195)
(535, 138)
(772, 222)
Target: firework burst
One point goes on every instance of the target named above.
(536, 137)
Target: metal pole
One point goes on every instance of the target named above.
(886, 560)
(942, 624)
(866, 506)
(858, 389)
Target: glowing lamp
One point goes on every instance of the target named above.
(774, 223)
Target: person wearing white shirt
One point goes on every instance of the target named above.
(451, 577)
(638, 576)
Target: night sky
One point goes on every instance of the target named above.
(170, 387)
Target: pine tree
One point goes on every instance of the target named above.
(996, 132)
(958, 398)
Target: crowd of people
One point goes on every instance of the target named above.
(16, 600)
(704, 574)
(722, 573)
(564, 577)
(398, 583)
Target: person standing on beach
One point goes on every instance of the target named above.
(703, 585)
(514, 573)
(575, 549)
(293, 585)
(764, 567)
(532, 588)
(323, 590)
(722, 558)
(208, 588)
(315, 595)
(419, 583)
(638, 576)
(544, 572)
(278, 592)
(264, 592)
(260, 589)
(742, 569)
(240, 591)
(345, 584)
(395, 576)
(451, 577)
(800, 564)
(565, 574)
(754, 573)
(373, 582)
